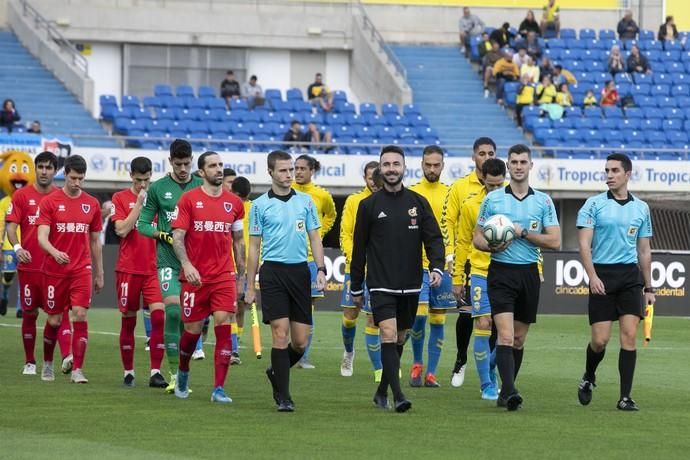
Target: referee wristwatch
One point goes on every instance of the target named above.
(321, 269)
(649, 290)
(524, 233)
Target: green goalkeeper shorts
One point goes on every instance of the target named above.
(168, 278)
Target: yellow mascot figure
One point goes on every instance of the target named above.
(17, 171)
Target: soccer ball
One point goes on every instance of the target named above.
(498, 229)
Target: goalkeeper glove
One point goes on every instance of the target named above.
(165, 237)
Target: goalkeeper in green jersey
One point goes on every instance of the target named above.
(154, 221)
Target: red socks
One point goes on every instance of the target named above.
(65, 335)
(222, 354)
(156, 341)
(187, 347)
(127, 341)
(49, 340)
(80, 339)
(29, 336)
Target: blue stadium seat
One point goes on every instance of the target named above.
(553, 53)
(645, 102)
(206, 92)
(632, 135)
(130, 101)
(418, 120)
(594, 44)
(675, 68)
(171, 102)
(162, 90)
(214, 103)
(649, 45)
(346, 108)
(665, 101)
(592, 112)
(367, 108)
(571, 135)
(194, 103)
(592, 136)
(374, 120)
(109, 111)
(655, 138)
(641, 89)
(583, 123)
(587, 34)
(568, 33)
(159, 125)
(564, 123)
(411, 109)
(280, 105)
(220, 115)
(677, 137)
(353, 119)
(273, 94)
(152, 102)
(647, 35)
(163, 113)
(238, 104)
(316, 118)
(623, 77)
(543, 135)
(607, 34)
(339, 95)
(671, 55)
(573, 43)
(673, 113)
(672, 124)
(640, 78)
(390, 108)
(555, 43)
(294, 94)
(660, 90)
(661, 78)
(184, 91)
(653, 113)
(629, 123)
(107, 99)
(650, 124)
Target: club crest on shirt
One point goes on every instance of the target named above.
(299, 226)
(632, 231)
(187, 311)
(412, 211)
(227, 206)
(533, 225)
(86, 208)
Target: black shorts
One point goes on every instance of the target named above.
(285, 292)
(514, 289)
(623, 284)
(387, 306)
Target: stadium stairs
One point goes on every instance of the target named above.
(449, 92)
(39, 96)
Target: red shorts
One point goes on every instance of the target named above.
(199, 302)
(31, 290)
(71, 291)
(130, 288)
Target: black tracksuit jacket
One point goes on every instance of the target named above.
(390, 230)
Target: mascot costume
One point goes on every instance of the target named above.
(17, 171)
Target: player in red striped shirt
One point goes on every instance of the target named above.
(206, 228)
(135, 274)
(22, 215)
(69, 226)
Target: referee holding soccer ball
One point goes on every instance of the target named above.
(513, 278)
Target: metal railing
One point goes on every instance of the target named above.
(377, 38)
(41, 23)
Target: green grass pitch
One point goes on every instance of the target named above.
(335, 417)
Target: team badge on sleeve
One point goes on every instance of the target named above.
(299, 226)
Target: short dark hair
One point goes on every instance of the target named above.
(558, 66)
(253, 77)
(483, 141)
(370, 165)
(623, 158)
(241, 187)
(494, 167)
(201, 162)
(46, 157)
(228, 172)
(378, 177)
(180, 149)
(313, 163)
(75, 163)
(392, 149)
(433, 148)
(294, 122)
(140, 165)
(518, 149)
(276, 155)
(230, 72)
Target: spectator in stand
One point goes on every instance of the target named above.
(504, 70)
(35, 127)
(470, 26)
(590, 99)
(319, 94)
(502, 35)
(561, 75)
(616, 64)
(253, 92)
(529, 24)
(627, 27)
(564, 98)
(668, 30)
(609, 95)
(525, 97)
(546, 91)
(294, 134)
(637, 62)
(484, 46)
(530, 69)
(519, 57)
(229, 88)
(551, 18)
(313, 139)
(546, 67)
(490, 59)
(9, 115)
(532, 45)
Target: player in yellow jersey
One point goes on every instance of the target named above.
(350, 310)
(305, 168)
(494, 174)
(241, 187)
(433, 302)
(463, 188)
